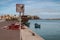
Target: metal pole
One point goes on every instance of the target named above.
(20, 24)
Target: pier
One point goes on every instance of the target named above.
(26, 33)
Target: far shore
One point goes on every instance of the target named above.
(44, 19)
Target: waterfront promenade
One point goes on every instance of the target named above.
(26, 33)
(8, 34)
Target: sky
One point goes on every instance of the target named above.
(42, 8)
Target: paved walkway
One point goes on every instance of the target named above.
(28, 35)
(2, 20)
(15, 34)
(8, 34)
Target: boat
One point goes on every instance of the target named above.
(37, 25)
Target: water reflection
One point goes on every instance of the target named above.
(49, 30)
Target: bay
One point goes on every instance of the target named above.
(49, 29)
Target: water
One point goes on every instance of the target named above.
(50, 29)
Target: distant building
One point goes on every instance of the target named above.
(35, 17)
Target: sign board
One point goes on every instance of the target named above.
(20, 8)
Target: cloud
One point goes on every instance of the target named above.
(11, 9)
(4, 1)
(41, 7)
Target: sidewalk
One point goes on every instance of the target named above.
(28, 35)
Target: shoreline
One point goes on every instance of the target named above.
(30, 35)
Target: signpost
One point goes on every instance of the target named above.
(20, 9)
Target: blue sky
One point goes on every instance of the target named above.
(41, 8)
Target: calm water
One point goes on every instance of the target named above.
(50, 29)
